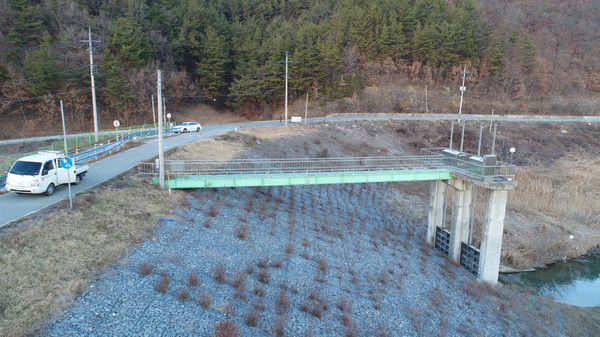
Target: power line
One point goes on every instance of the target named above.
(42, 97)
(42, 76)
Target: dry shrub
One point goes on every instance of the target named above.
(253, 316)
(263, 263)
(163, 284)
(219, 273)
(264, 276)
(239, 281)
(241, 231)
(279, 326)
(145, 269)
(212, 211)
(289, 248)
(204, 300)
(183, 294)
(343, 304)
(315, 304)
(262, 211)
(207, 222)
(250, 269)
(193, 279)
(277, 263)
(381, 331)
(283, 302)
(227, 329)
(259, 291)
(322, 265)
(346, 320)
(479, 289)
(383, 277)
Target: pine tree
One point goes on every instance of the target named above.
(41, 68)
(212, 65)
(526, 51)
(127, 41)
(497, 54)
(116, 86)
(28, 29)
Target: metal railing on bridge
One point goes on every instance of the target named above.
(292, 165)
(484, 168)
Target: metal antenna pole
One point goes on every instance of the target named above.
(494, 139)
(480, 135)
(451, 133)
(161, 166)
(462, 137)
(462, 91)
(286, 88)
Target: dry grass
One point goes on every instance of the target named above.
(219, 273)
(278, 131)
(548, 205)
(145, 269)
(50, 261)
(227, 329)
(204, 300)
(208, 148)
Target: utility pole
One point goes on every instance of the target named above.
(161, 166)
(93, 82)
(286, 88)
(306, 109)
(462, 91)
(426, 103)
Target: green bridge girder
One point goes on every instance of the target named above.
(308, 178)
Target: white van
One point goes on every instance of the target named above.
(41, 173)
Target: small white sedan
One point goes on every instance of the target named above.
(188, 127)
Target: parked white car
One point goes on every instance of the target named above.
(188, 127)
(41, 173)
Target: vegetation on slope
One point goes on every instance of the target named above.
(230, 54)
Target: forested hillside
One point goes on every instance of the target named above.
(231, 53)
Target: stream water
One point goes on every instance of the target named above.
(574, 282)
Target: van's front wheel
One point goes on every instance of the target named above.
(50, 189)
(77, 179)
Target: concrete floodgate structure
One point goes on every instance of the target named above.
(448, 170)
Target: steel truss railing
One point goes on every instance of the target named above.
(291, 165)
(429, 159)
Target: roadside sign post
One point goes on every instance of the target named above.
(169, 118)
(116, 123)
(66, 162)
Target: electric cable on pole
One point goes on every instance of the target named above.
(93, 82)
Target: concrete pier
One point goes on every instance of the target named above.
(493, 228)
(436, 209)
(460, 216)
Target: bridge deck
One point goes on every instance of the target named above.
(307, 178)
(431, 165)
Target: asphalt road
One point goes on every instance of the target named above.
(15, 206)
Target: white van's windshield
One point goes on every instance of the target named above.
(26, 168)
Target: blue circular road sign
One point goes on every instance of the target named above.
(66, 162)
